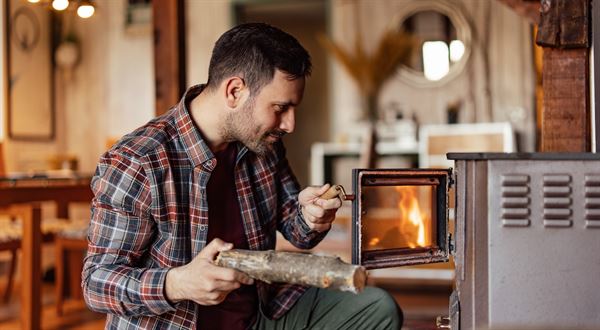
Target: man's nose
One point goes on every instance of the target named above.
(288, 121)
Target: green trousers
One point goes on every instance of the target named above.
(326, 309)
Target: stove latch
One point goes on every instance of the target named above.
(443, 322)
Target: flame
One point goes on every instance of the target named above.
(374, 241)
(412, 219)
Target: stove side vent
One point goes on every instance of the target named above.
(515, 200)
(557, 200)
(592, 201)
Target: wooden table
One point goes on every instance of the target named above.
(25, 194)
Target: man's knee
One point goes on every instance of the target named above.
(386, 309)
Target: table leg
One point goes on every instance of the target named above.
(31, 275)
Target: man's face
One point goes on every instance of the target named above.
(266, 117)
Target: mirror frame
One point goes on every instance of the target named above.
(457, 15)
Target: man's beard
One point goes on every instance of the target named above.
(241, 126)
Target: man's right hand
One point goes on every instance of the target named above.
(202, 281)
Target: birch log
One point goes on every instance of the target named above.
(296, 268)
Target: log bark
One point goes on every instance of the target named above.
(296, 268)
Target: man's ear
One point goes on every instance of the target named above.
(235, 90)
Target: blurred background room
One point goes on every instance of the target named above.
(395, 84)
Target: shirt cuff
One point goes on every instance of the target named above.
(152, 291)
(305, 229)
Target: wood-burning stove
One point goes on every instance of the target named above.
(527, 235)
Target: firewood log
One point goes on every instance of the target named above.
(296, 268)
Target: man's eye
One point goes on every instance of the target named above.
(281, 108)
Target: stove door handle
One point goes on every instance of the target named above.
(337, 190)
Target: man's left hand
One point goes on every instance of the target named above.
(318, 213)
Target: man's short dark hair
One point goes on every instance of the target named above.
(253, 51)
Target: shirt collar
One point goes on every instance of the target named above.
(196, 148)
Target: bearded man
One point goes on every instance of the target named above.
(208, 176)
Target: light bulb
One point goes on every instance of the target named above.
(85, 10)
(60, 4)
(33, 1)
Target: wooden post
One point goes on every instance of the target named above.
(31, 274)
(69, 255)
(169, 53)
(564, 34)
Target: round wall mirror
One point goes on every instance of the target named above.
(443, 41)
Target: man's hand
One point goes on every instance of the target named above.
(319, 213)
(202, 281)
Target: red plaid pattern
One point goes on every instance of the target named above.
(150, 213)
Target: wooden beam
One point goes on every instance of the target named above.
(566, 112)
(565, 24)
(564, 33)
(169, 53)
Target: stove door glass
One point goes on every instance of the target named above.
(400, 217)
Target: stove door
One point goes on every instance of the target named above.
(400, 217)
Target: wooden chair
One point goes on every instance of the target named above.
(53, 230)
(70, 246)
(10, 240)
(11, 234)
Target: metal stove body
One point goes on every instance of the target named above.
(527, 238)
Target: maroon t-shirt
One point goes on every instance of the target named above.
(238, 310)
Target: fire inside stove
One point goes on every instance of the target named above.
(400, 217)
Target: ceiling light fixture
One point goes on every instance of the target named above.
(60, 4)
(86, 9)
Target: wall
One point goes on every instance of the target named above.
(28, 152)
(109, 93)
(205, 22)
(507, 97)
(112, 91)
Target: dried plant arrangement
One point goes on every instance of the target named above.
(371, 71)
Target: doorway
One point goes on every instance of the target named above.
(305, 20)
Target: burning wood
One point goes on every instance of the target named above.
(296, 268)
(413, 220)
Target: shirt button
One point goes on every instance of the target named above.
(203, 227)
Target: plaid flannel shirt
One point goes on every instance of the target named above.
(150, 213)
